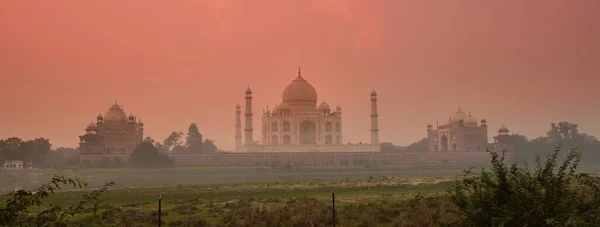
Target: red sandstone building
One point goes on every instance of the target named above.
(462, 133)
(113, 135)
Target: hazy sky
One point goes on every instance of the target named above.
(171, 63)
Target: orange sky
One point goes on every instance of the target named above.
(521, 63)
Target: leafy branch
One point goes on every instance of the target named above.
(15, 209)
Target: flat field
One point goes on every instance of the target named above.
(234, 204)
(263, 196)
(29, 179)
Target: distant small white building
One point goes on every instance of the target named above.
(15, 165)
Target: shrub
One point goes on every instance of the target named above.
(296, 212)
(515, 196)
(147, 155)
(186, 209)
(190, 221)
(14, 210)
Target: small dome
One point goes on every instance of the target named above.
(373, 93)
(458, 115)
(238, 106)
(91, 126)
(99, 117)
(338, 108)
(324, 106)
(503, 128)
(470, 120)
(131, 117)
(300, 92)
(483, 120)
(283, 106)
(115, 113)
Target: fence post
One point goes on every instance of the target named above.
(333, 206)
(159, 209)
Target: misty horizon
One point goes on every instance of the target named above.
(521, 64)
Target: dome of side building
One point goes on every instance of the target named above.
(115, 113)
(324, 106)
(91, 126)
(470, 120)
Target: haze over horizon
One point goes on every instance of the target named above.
(524, 64)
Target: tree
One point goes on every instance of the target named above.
(149, 140)
(145, 154)
(209, 146)
(160, 147)
(194, 139)
(62, 157)
(173, 140)
(389, 147)
(421, 145)
(563, 131)
(36, 150)
(516, 196)
(3, 151)
(15, 148)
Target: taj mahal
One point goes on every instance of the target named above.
(298, 131)
(297, 124)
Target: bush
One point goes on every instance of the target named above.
(14, 210)
(147, 155)
(296, 212)
(190, 221)
(515, 196)
(186, 209)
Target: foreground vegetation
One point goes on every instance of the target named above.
(225, 203)
(503, 195)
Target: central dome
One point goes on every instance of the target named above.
(115, 113)
(300, 92)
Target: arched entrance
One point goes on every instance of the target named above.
(307, 133)
(444, 143)
(328, 139)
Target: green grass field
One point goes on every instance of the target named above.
(259, 196)
(276, 191)
(346, 190)
(215, 203)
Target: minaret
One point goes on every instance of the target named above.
(248, 115)
(238, 127)
(374, 120)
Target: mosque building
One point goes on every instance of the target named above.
(463, 133)
(114, 134)
(298, 124)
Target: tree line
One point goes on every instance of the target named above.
(151, 153)
(563, 133)
(37, 151)
(40, 153)
(192, 143)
